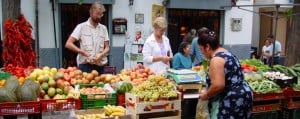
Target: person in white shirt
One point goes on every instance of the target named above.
(277, 50)
(93, 39)
(265, 54)
(157, 52)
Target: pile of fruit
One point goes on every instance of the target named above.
(93, 90)
(12, 91)
(155, 87)
(136, 75)
(53, 83)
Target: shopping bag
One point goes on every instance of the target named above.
(202, 110)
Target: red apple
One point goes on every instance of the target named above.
(61, 70)
(72, 74)
(69, 69)
(66, 83)
(60, 83)
(73, 81)
(74, 68)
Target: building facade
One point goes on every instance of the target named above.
(52, 24)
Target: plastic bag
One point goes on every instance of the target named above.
(202, 110)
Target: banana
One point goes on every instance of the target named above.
(117, 109)
(107, 110)
(118, 114)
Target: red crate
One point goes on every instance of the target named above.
(60, 104)
(290, 93)
(292, 104)
(266, 108)
(121, 99)
(19, 108)
(268, 96)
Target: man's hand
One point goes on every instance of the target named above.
(85, 53)
(98, 57)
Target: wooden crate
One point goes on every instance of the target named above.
(158, 115)
(184, 87)
(135, 106)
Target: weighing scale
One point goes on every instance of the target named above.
(183, 76)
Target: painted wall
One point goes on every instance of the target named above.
(273, 1)
(46, 33)
(245, 35)
(121, 9)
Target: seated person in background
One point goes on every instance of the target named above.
(182, 59)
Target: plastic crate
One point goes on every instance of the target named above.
(268, 96)
(291, 103)
(121, 99)
(89, 101)
(291, 113)
(290, 93)
(60, 104)
(108, 99)
(266, 115)
(266, 108)
(19, 108)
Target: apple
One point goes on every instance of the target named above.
(46, 68)
(40, 79)
(72, 74)
(61, 70)
(33, 75)
(73, 81)
(60, 83)
(58, 75)
(53, 70)
(66, 83)
(67, 77)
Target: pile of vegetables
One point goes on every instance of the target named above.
(260, 85)
(18, 53)
(264, 86)
(254, 65)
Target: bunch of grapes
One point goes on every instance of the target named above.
(154, 88)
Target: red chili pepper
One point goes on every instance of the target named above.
(18, 53)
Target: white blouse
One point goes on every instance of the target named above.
(152, 49)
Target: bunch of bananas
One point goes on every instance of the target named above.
(91, 116)
(114, 110)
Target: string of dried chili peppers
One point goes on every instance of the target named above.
(18, 54)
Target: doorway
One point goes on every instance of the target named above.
(182, 21)
(71, 15)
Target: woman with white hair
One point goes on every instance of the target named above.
(157, 52)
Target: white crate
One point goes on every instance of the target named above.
(135, 106)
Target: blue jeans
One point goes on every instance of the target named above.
(276, 60)
(89, 67)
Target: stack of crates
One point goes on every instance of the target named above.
(267, 106)
(291, 104)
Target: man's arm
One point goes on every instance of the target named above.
(70, 45)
